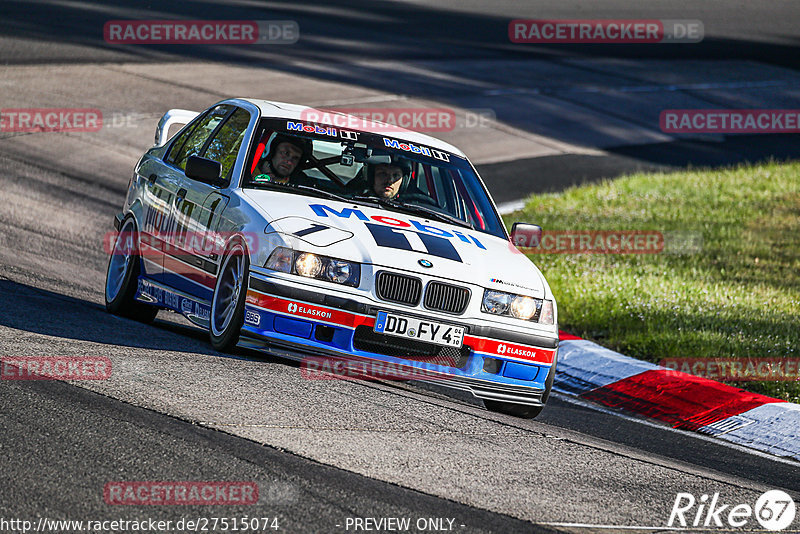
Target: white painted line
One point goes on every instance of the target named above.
(643, 88)
(618, 527)
(659, 529)
(360, 100)
(695, 86)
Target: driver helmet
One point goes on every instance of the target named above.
(397, 161)
(306, 147)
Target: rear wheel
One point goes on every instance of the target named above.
(523, 410)
(122, 277)
(227, 305)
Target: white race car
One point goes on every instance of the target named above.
(372, 247)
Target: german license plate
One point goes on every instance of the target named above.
(418, 329)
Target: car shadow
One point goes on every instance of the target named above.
(33, 310)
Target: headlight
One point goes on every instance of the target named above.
(523, 307)
(338, 271)
(517, 306)
(281, 260)
(496, 302)
(316, 266)
(308, 264)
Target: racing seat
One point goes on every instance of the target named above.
(358, 185)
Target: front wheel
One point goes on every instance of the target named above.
(122, 277)
(227, 305)
(525, 411)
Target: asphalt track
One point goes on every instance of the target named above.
(321, 452)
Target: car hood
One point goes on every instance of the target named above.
(400, 241)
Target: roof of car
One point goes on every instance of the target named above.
(297, 112)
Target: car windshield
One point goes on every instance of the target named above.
(377, 169)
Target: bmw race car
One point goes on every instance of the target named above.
(338, 239)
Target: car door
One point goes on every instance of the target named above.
(163, 183)
(191, 266)
(166, 177)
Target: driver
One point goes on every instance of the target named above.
(280, 165)
(386, 178)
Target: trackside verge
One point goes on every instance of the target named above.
(592, 372)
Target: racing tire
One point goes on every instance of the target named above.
(122, 277)
(227, 304)
(525, 411)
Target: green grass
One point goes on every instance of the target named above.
(737, 296)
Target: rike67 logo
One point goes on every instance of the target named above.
(774, 510)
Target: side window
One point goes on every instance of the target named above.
(197, 139)
(224, 147)
(181, 140)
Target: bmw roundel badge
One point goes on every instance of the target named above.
(425, 263)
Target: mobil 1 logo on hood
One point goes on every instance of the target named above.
(411, 235)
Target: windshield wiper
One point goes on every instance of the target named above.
(443, 217)
(369, 200)
(321, 192)
(415, 209)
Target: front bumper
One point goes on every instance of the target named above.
(299, 323)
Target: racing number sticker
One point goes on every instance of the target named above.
(386, 236)
(317, 234)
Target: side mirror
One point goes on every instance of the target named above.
(526, 235)
(204, 170)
